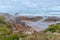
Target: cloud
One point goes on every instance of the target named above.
(30, 5)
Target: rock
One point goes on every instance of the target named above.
(52, 19)
(22, 29)
(19, 25)
(33, 19)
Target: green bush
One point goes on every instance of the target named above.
(54, 28)
(12, 37)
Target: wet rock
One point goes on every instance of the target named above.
(33, 19)
(52, 19)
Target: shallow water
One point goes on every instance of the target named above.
(40, 25)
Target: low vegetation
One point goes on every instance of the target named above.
(6, 33)
(54, 28)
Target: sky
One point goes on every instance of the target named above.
(31, 6)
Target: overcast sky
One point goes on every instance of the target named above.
(30, 6)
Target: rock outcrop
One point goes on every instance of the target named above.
(19, 25)
(52, 19)
(33, 19)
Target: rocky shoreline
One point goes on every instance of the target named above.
(22, 20)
